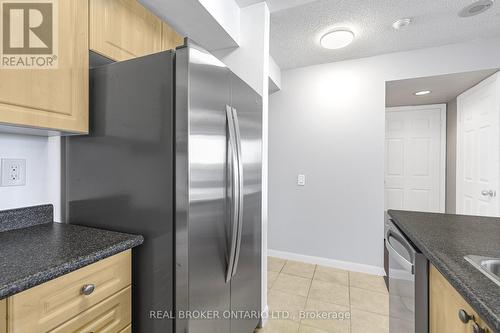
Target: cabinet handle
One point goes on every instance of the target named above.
(464, 316)
(88, 289)
(477, 329)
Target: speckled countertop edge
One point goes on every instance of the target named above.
(19, 218)
(51, 273)
(491, 318)
(29, 233)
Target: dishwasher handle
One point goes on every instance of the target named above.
(405, 263)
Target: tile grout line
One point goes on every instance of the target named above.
(307, 297)
(310, 285)
(349, 286)
(350, 304)
(371, 291)
(308, 291)
(282, 267)
(371, 312)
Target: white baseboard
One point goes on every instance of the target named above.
(350, 266)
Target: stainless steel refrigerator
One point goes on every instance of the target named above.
(174, 153)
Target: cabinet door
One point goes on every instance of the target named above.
(123, 29)
(444, 304)
(170, 39)
(53, 98)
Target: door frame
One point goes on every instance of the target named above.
(442, 155)
(491, 80)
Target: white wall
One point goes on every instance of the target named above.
(226, 13)
(42, 156)
(251, 59)
(327, 122)
(274, 76)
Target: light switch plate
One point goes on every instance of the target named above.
(13, 172)
(301, 180)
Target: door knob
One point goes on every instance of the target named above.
(478, 329)
(464, 316)
(88, 289)
(489, 193)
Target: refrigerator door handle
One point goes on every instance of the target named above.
(240, 189)
(235, 189)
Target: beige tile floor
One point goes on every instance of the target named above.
(295, 287)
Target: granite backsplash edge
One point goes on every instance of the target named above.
(18, 218)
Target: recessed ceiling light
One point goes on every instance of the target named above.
(475, 8)
(422, 92)
(402, 23)
(337, 39)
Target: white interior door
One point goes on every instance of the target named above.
(415, 152)
(478, 149)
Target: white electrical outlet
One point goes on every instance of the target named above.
(13, 172)
(301, 180)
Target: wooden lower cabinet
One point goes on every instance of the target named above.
(110, 316)
(127, 329)
(95, 298)
(3, 316)
(444, 305)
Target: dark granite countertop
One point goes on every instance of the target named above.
(31, 255)
(445, 239)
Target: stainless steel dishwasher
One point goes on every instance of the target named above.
(408, 283)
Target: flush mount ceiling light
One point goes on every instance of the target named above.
(402, 23)
(475, 8)
(422, 92)
(336, 39)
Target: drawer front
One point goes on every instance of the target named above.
(48, 305)
(110, 316)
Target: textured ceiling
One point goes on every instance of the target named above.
(295, 31)
(443, 88)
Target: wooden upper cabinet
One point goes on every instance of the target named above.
(170, 38)
(124, 29)
(445, 303)
(55, 98)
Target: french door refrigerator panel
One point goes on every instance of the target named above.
(246, 283)
(186, 176)
(202, 93)
(120, 177)
(218, 207)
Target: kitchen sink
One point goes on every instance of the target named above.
(486, 265)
